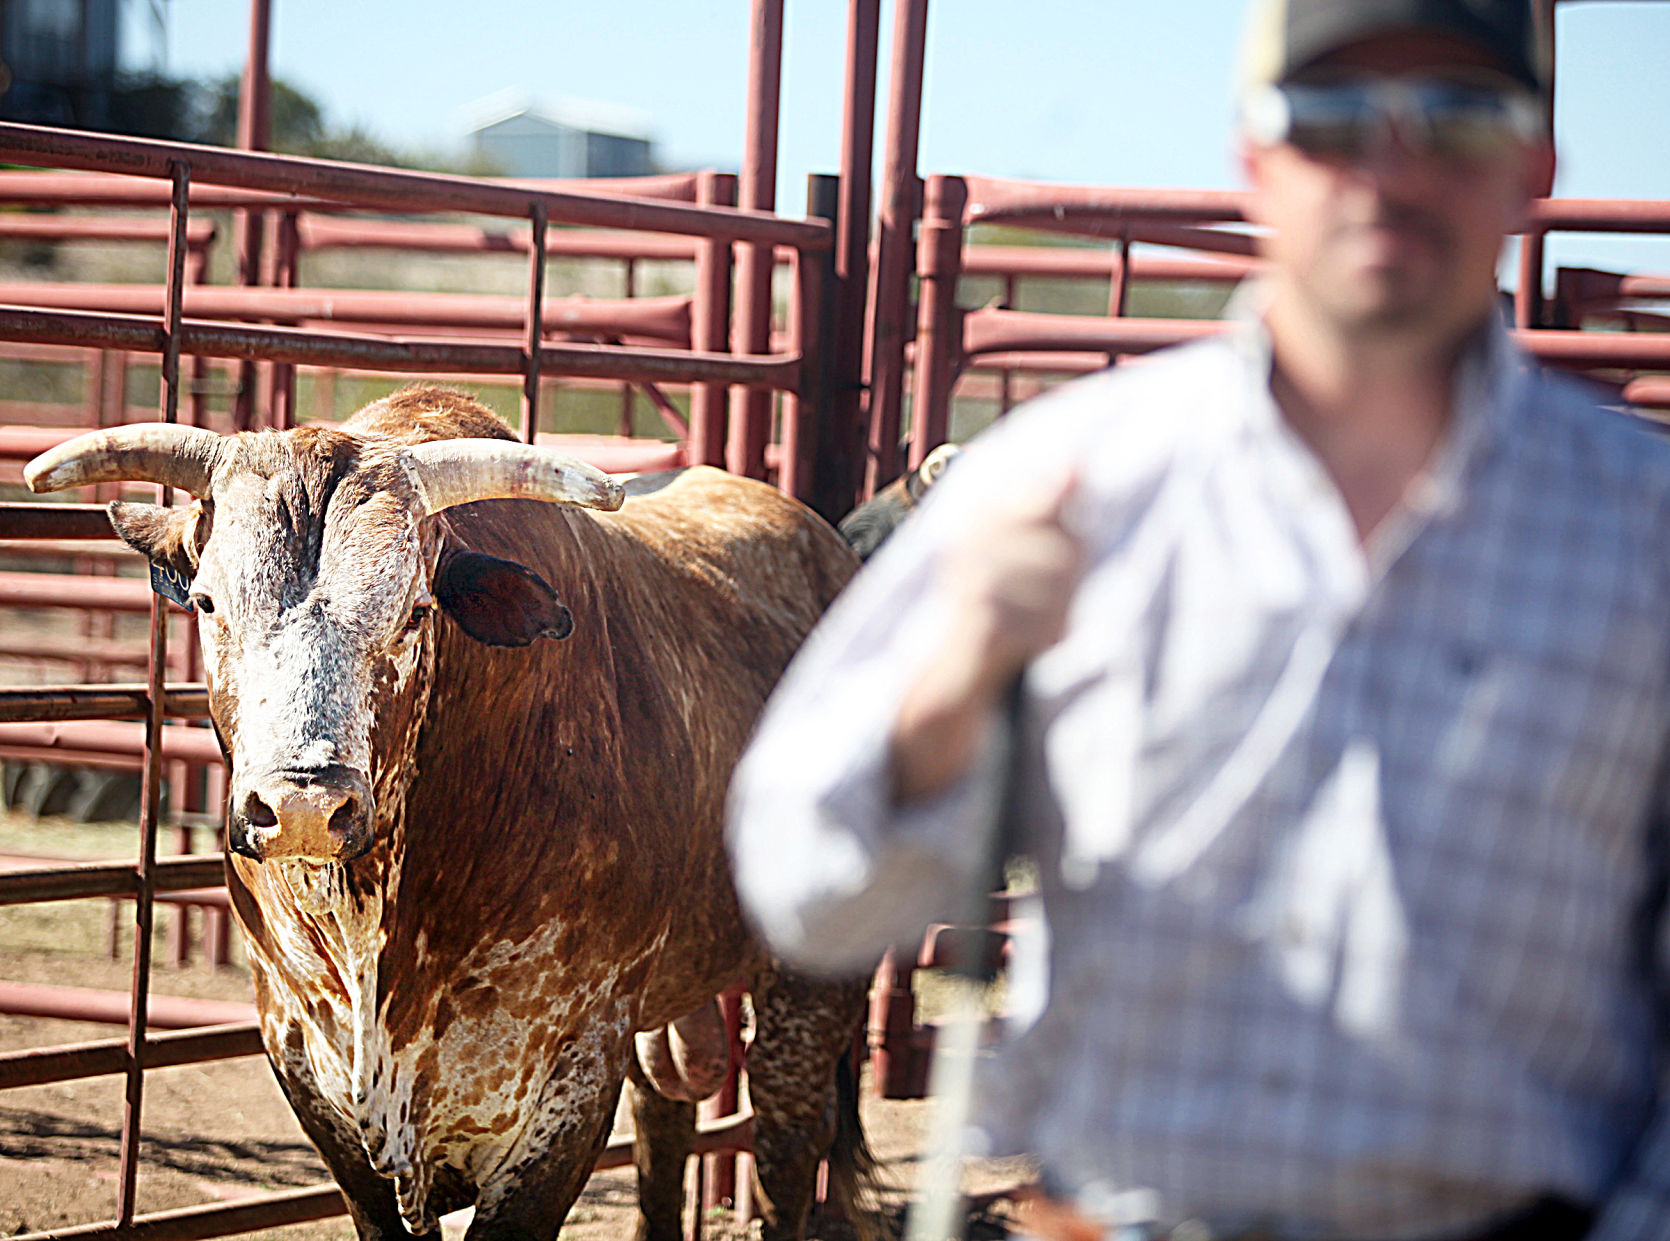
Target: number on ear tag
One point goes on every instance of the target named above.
(171, 585)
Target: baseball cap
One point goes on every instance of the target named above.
(1284, 36)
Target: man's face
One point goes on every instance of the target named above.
(1393, 240)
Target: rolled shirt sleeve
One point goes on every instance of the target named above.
(830, 869)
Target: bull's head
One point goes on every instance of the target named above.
(314, 561)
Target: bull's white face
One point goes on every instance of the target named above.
(313, 612)
(310, 577)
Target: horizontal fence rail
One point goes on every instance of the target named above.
(362, 185)
(311, 347)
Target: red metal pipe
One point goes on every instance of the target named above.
(841, 451)
(42, 1066)
(255, 88)
(111, 1007)
(1600, 215)
(888, 315)
(56, 703)
(62, 590)
(1119, 289)
(1623, 350)
(1190, 237)
(1649, 392)
(112, 228)
(254, 133)
(82, 652)
(750, 409)
(154, 740)
(23, 885)
(721, 1173)
(394, 189)
(533, 321)
(988, 331)
(191, 745)
(662, 318)
(316, 348)
(1071, 263)
(938, 330)
(273, 1210)
(106, 189)
(327, 232)
(249, 226)
(36, 520)
(807, 407)
(1074, 207)
(710, 329)
(656, 318)
(114, 190)
(1528, 296)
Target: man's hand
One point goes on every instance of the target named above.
(1011, 577)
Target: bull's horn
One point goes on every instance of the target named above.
(933, 465)
(145, 452)
(449, 472)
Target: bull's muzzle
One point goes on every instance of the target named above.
(320, 815)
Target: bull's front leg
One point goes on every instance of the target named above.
(528, 1194)
(371, 1198)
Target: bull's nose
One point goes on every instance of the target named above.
(306, 816)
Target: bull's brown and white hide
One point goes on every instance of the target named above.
(472, 863)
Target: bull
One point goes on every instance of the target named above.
(474, 826)
(873, 522)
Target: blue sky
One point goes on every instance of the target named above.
(1091, 91)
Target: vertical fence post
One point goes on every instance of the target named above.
(628, 390)
(248, 223)
(1528, 309)
(840, 465)
(726, 1175)
(750, 428)
(812, 457)
(710, 326)
(150, 782)
(1119, 285)
(901, 201)
(198, 273)
(537, 215)
(938, 323)
(281, 378)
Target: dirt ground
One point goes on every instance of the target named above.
(222, 1131)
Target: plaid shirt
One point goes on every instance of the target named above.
(1352, 857)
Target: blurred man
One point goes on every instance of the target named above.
(1343, 643)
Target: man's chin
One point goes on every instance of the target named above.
(1386, 302)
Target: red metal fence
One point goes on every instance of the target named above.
(76, 722)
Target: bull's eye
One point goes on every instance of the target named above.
(201, 601)
(414, 622)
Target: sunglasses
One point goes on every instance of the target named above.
(1461, 122)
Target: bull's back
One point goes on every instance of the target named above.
(745, 573)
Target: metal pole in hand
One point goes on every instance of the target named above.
(939, 1211)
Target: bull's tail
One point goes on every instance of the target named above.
(852, 1165)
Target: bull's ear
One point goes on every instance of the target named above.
(499, 602)
(164, 536)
